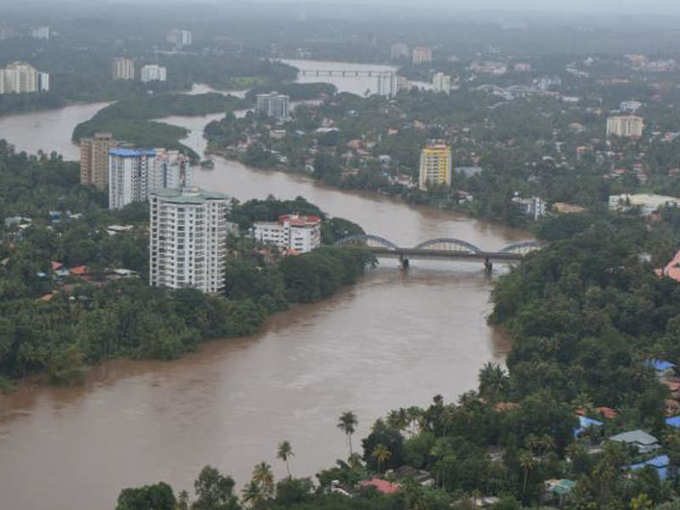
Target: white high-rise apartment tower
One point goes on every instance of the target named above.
(171, 169)
(188, 242)
(129, 172)
(123, 68)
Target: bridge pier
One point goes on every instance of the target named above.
(488, 266)
(403, 260)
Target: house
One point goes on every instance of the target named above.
(78, 271)
(380, 485)
(56, 265)
(638, 439)
(660, 463)
(557, 490)
(419, 476)
(672, 269)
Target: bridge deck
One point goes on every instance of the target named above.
(411, 253)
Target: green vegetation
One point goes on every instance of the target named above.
(586, 314)
(130, 119)
(60, 323)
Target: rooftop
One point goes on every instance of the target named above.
(192, 195)
(131, 153)
(635, 436)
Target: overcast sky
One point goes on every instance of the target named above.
(614, 6)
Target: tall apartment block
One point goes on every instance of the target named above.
(94, 160)
(153, 72)
(23, 78)
(188, 242)
(441, 83)
(180, 38)
(171, 169)
(627, 126)
(129, 172)
(273, 105)
(436, 167)
(123, 68)
(421, 55)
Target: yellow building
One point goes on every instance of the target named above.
(436, 167)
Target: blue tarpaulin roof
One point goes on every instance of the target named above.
(585, 423)
(674, 421)
(660, 365)
(659, 462)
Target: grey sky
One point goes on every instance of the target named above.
(586, 6)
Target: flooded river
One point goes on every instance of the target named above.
(394, 339)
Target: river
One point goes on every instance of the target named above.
(394, 339)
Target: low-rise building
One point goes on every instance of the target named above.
(638, 439)
(292, 232)
(647, 203)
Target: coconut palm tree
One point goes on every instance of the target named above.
(264, 478)
(285, 452)
(527, 463)
(348, 423)
(382, 455)
(493, 382)
(252, 494)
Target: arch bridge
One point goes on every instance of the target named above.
(441, 248)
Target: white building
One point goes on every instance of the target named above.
(40, 32)
(388, 84)
(180, 38)
(188, 241)
(291, 232)
(441, 83)
(23, 78)
(123, 68)
(273, 105)
(171, 169)
(129, 172)
(153, 72)
(627, 126)
(534, 206)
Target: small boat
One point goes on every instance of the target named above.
(208, 164)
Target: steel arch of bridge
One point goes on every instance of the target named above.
(386, 243)
(522, 247)
(448, 242)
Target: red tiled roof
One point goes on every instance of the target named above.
(56, 265)
(607, 412)
(78, 270)
(381, 485)
(672, 269)
(672, 385)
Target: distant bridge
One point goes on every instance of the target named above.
(441, 248)
(346, 73)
